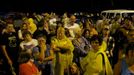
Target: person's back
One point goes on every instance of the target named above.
(26, 65)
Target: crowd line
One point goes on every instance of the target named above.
(53, 44)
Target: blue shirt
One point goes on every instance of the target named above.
(124, 68)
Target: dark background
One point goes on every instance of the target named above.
(64, 5)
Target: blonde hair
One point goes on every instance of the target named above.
(61, 29)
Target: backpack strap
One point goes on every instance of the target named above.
(103, 61)
(102, 58)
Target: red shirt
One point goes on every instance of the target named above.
(27, 69)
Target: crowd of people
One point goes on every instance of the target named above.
(52, 44)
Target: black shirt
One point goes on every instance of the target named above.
(10, 40)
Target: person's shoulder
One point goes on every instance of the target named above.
(76, 24)
(34, 40)
(22, 42)
(23, 65)
(100, 53)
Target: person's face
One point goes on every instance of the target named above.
(87, 34)
(73, 69)
(72, 19)
(24, 26)
(95, 45)
(60, 34)
(105, 31)
(41, 40)
(10, 28)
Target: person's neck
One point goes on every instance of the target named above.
(29, 63)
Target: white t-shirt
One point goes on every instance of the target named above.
(28, 45)
(73, 29)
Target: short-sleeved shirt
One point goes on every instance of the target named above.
(29, 45)
(10, 40)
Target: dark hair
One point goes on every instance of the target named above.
(41, 35)
(83, 34)
(25, 33)
(41, 23)
(96, 37)
(130, 47)
(24, 57)
(59, 22)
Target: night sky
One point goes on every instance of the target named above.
(64, 5)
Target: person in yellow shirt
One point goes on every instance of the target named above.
(96, 62)
(63, 51)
